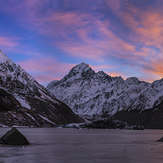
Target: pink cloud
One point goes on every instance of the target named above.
(13, 44)
(63, 26)
(7, 41)
(9, 44)
(115, 74)
(114, 5)
(145, 24)
(70, 32)
(45, 79)
(156, 68)
(23, 10)
(44, 65)
(46, 69)
(99, 68)
(85, 46)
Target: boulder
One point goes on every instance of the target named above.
(161, 140)
(14, 137)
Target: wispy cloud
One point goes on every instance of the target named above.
(85, 36)
(126, 33)
(46, 69)
(101, 67)
(8, 42)
(155, 67)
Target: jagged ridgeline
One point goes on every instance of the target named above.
(91, 93)
(23, 101)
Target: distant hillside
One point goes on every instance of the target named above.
(23, 101)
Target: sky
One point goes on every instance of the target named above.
(48, 37)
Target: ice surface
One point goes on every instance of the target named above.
(85, 146)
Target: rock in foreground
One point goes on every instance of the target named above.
(14, 137)
(161, 140)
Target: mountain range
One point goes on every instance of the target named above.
(90, 93)
(24, 102)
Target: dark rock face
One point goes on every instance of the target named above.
(105, 124)
(7, 101)
(12, 113)
(14, 137)
(150, 118)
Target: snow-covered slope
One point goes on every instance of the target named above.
(34, 102)
(3, 57)
(90, 93)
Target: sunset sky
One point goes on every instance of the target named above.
(48, 37)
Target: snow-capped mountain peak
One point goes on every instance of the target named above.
(132, 80)
(79, 71)
(89, 93)
(3, 57)
(81, 67)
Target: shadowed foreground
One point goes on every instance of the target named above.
(89, 146)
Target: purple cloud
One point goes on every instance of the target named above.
(121, 33)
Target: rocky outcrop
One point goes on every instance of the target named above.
(161, 140)
(150, 118)
(105, 124)
(14, 137)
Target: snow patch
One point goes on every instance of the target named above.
(30, 116)
(46, 119)
(23, 102)
(3, 57)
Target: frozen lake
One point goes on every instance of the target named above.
(50, 145)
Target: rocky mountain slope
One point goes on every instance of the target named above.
(23, 101)
(91, 93)
(150, 118)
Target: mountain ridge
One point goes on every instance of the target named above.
(36, 105)
(98, 93)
